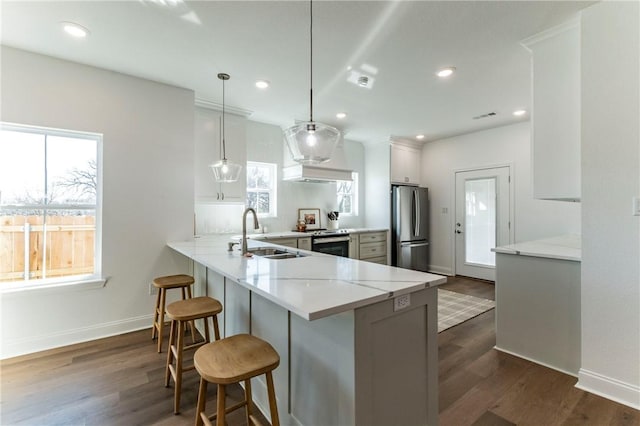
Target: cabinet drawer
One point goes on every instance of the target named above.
(304, 243)
(369, 250)
(372, 237)
(381, 260)
(287, 242)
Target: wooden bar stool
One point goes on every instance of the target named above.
(180, 313)
(163, 284)
(232, 360)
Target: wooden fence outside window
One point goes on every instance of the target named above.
(69, 240)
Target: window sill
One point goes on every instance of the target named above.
(68, 284)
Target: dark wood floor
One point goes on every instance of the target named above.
(481, 386)
(119, 381)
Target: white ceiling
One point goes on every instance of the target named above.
(187, 43)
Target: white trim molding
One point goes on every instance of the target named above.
(607, 387)
(31, 344)
(442, 270)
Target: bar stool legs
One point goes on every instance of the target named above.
(181, 313)
(163, 284)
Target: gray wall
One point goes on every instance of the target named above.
(511, 145)
(147, 193)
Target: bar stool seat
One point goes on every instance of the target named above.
(163, 284)
(232, 360)
(180, 313)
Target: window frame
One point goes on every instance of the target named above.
(273, 191)
(91, 280)
(353, 194)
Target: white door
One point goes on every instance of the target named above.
(482, 220)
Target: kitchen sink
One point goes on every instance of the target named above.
(273, 253)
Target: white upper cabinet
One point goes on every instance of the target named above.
(208, 150)
(555, 117)
(405, 164)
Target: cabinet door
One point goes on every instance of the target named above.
(235, 142)
(208, 150)
(287, 242)
(405, 165)
(556, 114)
(304, 243)
(354, 246)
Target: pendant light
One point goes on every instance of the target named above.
(225, 170)
(310, 142)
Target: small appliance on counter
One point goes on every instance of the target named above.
(410, 227)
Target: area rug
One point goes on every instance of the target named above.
(455, 308)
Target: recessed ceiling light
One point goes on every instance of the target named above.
(262, 84)
(75, 30)
(419, 136)
(341, 115)
(519, 112)
(446, 72)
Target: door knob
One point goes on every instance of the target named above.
(458, 231)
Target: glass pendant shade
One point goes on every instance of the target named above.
(311, 143)
(226, 171)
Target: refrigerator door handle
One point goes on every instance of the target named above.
(413, 244)
(414, 212)
(418, 213)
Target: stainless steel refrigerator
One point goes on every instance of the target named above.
(410, 227)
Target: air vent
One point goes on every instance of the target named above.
(489, 114)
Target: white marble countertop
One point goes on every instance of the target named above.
(312, 287)
(564, 247)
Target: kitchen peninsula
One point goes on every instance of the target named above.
(350, 334)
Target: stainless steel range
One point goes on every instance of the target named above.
(335, 242)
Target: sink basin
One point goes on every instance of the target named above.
(273, 253)
(267, 251)
(283, 256)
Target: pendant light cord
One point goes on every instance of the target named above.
(311, 60)
(224, 150)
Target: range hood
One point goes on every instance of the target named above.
(331, 171)
(314, 174)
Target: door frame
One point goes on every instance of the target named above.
(452, 205)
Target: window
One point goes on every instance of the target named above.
(49, 205)
(261, 188)
(347, 192)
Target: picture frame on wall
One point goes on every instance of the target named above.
(311, 217)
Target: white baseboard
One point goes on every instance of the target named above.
(31, 344)
(606, 387)
(442, 270)
(535, 361)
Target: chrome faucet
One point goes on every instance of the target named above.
(256, 225)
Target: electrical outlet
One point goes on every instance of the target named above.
(152, 289)
(401, 302)
(636, 206)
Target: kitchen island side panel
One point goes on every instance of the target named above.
(271, 323)
(397, 362)
(322, 370)
(538, 310)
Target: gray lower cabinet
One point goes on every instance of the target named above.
(287, 242)
(304, 243)
(373, 247)
(343, 369)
